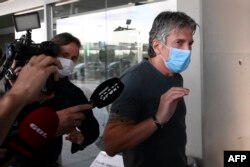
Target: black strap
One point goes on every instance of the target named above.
(157, 123)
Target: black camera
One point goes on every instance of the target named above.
(21, 50)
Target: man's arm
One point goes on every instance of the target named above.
(121, 134)
(10, 105)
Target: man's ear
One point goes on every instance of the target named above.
(156, 45)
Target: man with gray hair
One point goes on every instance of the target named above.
(147, 122)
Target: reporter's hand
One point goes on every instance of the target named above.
(71, 117)
(75, 137)
(168, 103)
(34, 75)
(15, 70)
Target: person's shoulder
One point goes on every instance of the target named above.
(137, 69)
(134, 77)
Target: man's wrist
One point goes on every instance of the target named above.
(157, 123)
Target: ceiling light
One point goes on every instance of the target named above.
(66, 2)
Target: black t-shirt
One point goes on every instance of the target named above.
(144, 86)
(66, 95)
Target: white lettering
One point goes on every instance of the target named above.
(243, 157)
(104, 94)
(231, 158)
(103, 90)
(236, 158)
(38, 130)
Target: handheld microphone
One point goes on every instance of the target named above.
(34, 131)
(106, 92)
(39, 127)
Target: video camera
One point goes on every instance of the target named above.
(21, 50)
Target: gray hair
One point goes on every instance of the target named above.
(164, 23)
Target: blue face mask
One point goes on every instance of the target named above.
(178, 60)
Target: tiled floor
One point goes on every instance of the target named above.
(81, 158)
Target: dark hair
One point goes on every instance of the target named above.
(65, 38)
(164, 23)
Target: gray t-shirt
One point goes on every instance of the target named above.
(144, 85)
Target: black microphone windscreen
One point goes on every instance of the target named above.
(107, 92)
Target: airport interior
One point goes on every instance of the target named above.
(114, 37)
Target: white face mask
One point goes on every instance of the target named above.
(68, 67)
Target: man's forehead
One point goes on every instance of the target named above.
(184, 34)
(180, 30)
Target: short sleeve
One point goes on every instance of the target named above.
(129, 102)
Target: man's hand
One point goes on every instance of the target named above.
(72, 117)
(168, 103)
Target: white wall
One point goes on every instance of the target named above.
(226, 82)
(193, 81)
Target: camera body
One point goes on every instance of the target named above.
(22, 50)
